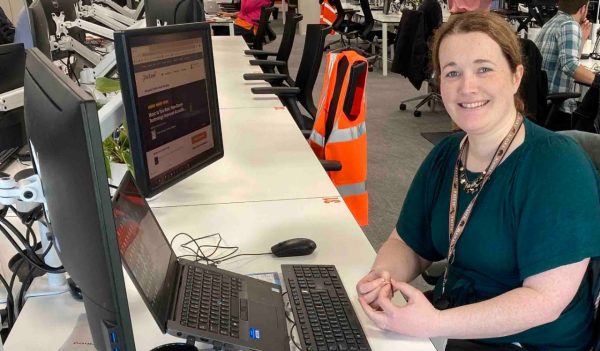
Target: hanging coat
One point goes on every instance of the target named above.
(339, 131)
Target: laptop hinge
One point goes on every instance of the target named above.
(175, 292)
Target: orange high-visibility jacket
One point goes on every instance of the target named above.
(328, 14)
(340, 132)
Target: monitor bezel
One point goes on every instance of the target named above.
(128, 92)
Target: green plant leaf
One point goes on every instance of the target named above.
(107, 85)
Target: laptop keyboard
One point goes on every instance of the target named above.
(6, 156)
(324, 315)
(211, 302)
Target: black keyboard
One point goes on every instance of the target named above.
(324, 315)
(6, 156)
(211, 302)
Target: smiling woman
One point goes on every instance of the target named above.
(501, 203)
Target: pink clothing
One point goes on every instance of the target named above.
(458, 6)
(250, 10)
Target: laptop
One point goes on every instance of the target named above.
(211, 7)
(192, 300)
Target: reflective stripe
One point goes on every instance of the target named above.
(347, 134)
(352, 189)
(326, 5)
(317, 138)
(324, 91)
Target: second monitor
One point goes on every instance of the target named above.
(170, 97)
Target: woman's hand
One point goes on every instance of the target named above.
(417, 318)
(369, 286)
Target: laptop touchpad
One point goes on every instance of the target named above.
(263, 317)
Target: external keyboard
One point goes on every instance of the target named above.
(211, 302)
(324, 315)
(6, 156)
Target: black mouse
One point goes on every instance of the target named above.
(294, 247)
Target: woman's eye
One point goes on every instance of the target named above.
(452, 74)
(485, 69)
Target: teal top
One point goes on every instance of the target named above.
(539, 210)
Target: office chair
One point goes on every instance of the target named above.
(412, 59)
(300, 92)
(280, 63)
(264, 33)
(343, 24)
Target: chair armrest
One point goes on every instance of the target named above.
(259, 53)
(264, 76)
(279, 91)
(560, 97)
(331, 165)
(267, 63)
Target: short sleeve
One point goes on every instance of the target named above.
(559, 209)
(413, 225)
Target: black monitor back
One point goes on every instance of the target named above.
(62, 125)
(12, 69)
(173, 11)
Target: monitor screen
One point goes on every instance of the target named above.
(170, 99)
(173, 12)
(12, 69)
(145, 250)
(66, 147)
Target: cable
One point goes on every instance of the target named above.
(9, 302)
(292, 337)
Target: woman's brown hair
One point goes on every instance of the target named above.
(489, 24)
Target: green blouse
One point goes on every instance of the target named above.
(539, 210)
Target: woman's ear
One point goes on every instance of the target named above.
(517, 77)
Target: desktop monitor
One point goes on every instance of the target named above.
(66, 147)
(173, 11)
(170, 98)
(12, 69)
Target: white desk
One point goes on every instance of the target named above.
(266, 158)
(252, 226)
(216, 21)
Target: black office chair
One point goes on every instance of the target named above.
(280, 63)
(343, 24)
(300, 92)
(264, 33)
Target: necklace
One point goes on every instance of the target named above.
(470, 187)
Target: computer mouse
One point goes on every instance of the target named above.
(294, 247)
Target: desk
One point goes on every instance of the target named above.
(216, 21)
(252, 226)
(266, 159)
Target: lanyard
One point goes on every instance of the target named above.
(455, 231)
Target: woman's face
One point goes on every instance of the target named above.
(476, 82)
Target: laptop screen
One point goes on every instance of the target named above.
(144, 249)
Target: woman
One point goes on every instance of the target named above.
(518, 260)
(246, 19)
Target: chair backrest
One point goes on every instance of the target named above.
(534, 85)
(261, 31)
(369, 21)
(310, 63)
(287, 39)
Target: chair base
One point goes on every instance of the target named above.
(431, 97)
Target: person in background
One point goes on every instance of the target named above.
(560, 42)
(462, 6)
(500, 201)
(246, 19)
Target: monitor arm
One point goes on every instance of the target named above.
(11, 100)
(123, 10)
(24, 196)
(109, 18)
(62, 27)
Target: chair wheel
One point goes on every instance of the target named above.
(402, 107)
(417, 113)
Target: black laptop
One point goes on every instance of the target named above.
(192, 300)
